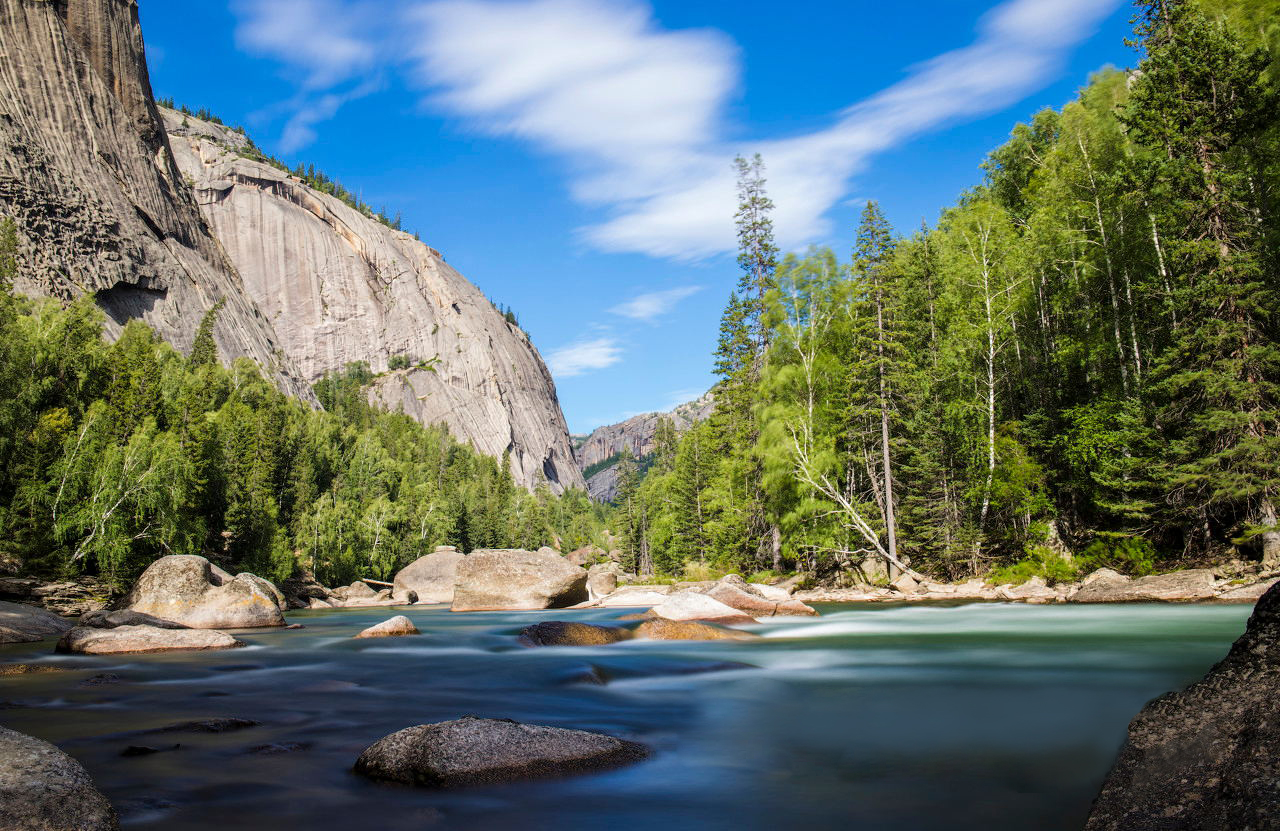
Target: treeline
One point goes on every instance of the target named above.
(1083, 354)
(315, 179)
(113, 454)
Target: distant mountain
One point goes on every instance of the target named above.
(598, 453)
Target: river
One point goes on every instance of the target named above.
(982, 716)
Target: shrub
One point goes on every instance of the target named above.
(1040, 561)
(1128, 555)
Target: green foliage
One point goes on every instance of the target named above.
(113, 455)
(1128, 555)
(1040, 561)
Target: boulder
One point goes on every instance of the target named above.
(1178, 586)
(1035, 589)
(126, 617)
(602, 580)
(190, 590)
(87, 640)
(492, 579)
(662, 629)
(564, 633)
(629, 596)
(430, 577)
(905, 583)
(874, 570)
(300, 589)
(586, 555)
(482, 751)
(73, 597)
(774, 593)
(690, 605)
(317, 603)
(1248, 593)
(20, 623)
(795, 607)
(1207, 757)
(391, 628)
(359, 590)
(266, 586)
(44, 789)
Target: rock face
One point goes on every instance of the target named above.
(87, 640)
(44, 789)
(430, 577)
(637, 433)
(492, 579)
(189, 590)
(341, 287)
(27, 624)
(87, 175)
(391, 628)
(662, 629)
(1207, 757)
(566, 633)
(480, 751)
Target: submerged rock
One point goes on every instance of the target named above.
(564, 633)
(391, 628)
(190, 590)
(494, 580)
(126, 617)
(29, 669)
(209, 725)
(481, 751)
(86, 640)
(44, 789)
(429, 578)
(27, 624)
(1207, 757)
(662, 629)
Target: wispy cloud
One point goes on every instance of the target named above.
(584, 356)
(651, 306)
(637, 113)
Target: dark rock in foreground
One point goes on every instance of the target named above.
(481, 751)
(1207, 757)
(565, 633)
(44, 789)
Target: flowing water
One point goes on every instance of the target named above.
(987, 716)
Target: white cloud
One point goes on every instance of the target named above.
(651, 306)
(324, 39)
(637, 113)
(583, 356)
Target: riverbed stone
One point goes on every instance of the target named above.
(602, 580)
(690, 605)
(1207, 757)
(430, 577)
(568, 633)
(775, 593)
(86, 640)
(190, 590)
(906, 584)
(482, 751)
(20, 623)
(126, 617)
(1247, 593)
(661, 629)
(44, 789)
(514, 579)
(1177, 587)
(635, 596)
(391, 628)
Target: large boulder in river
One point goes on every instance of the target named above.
(391, 628)
(661, 629)
(500, 579)
(1105, 586)
(690, 605)
(736, 592)
(567, 633)
(602, 580)
(189, 590)
(483, 751)
(44, 789)
(20, 623)
(1207, 757)
(88, 640)
(430, 577)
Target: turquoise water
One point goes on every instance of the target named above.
(989, 716)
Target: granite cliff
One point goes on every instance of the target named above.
(87, 176)
(598, 452)
(340, 287)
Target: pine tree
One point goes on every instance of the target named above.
(204, 350)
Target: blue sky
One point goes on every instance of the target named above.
(572, 157)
